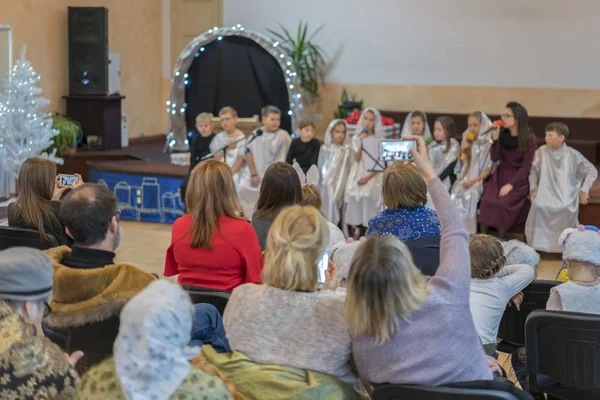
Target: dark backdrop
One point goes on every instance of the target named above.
(236, 72)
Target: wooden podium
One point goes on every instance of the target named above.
(99, 116)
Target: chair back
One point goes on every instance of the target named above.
(406, 392)
(564, 346)
(217, 298)
(426, 254)
(535, 297)
(12, 236)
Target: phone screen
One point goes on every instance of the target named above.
(68, 180)
(322, 266)
(397, 150)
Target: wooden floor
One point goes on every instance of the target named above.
(145, 244)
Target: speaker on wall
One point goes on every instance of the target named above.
(88, 51)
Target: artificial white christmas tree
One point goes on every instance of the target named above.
(25, 131)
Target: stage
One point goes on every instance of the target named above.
(147, 184)
(141, 176)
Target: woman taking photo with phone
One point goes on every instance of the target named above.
(37, 205)
(286, 320)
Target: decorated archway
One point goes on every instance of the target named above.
(178, 108)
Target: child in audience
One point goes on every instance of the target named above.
(444, 150)
(233, 156)
(473, 167)
(305, 149)
(312, 197)
(335, 158)
(560, 179)
(363, 188)
(581, 252)
(200, 146)
(416, 124)
(261, 151)
(493, 284)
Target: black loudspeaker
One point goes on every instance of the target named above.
(88, 51)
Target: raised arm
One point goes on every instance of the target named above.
(516, 277)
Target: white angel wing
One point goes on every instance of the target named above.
(312, 176)
(300, 173)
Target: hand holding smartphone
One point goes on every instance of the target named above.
(67, 180)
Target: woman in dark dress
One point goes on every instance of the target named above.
(513, 147)
(37, 206)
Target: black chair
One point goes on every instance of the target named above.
(479, 390)
(512, 325)
(12, 236)
(565, 347)
(217, 298)
(425, 253)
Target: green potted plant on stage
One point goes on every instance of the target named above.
(348, 103)
(307, 57)
(65, 142)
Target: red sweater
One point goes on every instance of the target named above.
(235, 257)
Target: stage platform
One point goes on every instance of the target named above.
(147, 185)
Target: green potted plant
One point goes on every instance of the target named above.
(348, 103)
(68, 130)
(307, 57)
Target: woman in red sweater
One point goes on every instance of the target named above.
(213, 246)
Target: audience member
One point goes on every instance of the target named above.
(213, 246)
(90, 289)
(37, 206)
(493, 284)
(406, 217)
(312, 197)
(280, 188)
(504, 196)
(269, 144)
(286, 320)
(393, 309)
(304, 149)
(560, 180)
(200, 146)
(151, 354)
(581, 252)
(31, 366)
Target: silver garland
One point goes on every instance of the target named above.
(176, 106)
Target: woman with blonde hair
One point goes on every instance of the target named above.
(406, 328)
(213, 246)
(286, 320)
(37, 206)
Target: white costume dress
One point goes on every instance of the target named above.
(363, 202)
(233, 152)
(466, 200)
(557, 176)
(268, 148)
(407, 128)
(440, 160)
(334, 165)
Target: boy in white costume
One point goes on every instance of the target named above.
(260, 152)
(230, 134)
(335, 159)
(560, 179)
(473, 167)
(363, 188)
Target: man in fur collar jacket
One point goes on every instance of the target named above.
(89, 288)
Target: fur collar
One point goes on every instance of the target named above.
(83, 296)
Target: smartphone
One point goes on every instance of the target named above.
(322, 266)
(68, 180)
(397, 150)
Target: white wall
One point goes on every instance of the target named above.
(508, 43)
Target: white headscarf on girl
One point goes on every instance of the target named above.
(328, 139)
(407, 127)
(378, 128)
(486, 123)
(151, 353)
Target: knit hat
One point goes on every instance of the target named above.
(581, 245)
(25, 274)
(341, 256)
(517, 252)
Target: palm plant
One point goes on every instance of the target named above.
(68, 132)
(307, 57)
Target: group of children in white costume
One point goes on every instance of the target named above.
(560, 178)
